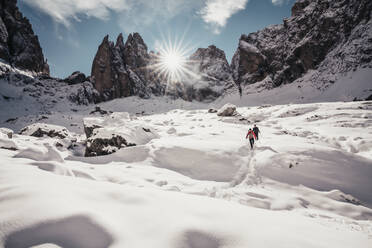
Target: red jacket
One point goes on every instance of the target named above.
(250, 134)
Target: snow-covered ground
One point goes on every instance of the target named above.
(307, 182)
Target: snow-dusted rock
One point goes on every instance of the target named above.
(76, 77)
(6, 131)
(211, 110)
(84, 93)
(49, 130)
(106, 135)
(227, 110)
(5, 142)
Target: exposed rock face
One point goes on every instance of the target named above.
(123, 70)
(18, 44)
(214, 73)
(338, 32)
(112, 77)
(135, 52)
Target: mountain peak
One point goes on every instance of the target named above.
(18, 44)
(120, 41)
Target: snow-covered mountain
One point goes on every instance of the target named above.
(321, 43)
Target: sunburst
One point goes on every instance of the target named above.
(171, 61)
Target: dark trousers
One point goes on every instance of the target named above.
(256, 136)
(251, 141)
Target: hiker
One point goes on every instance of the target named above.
(251, 135)
(256, 131)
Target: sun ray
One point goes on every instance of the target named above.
(171, 60)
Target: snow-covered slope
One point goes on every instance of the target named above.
(305, 184)
(322, 45)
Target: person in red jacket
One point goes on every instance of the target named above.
(251, 135)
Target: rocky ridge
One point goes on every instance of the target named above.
(323, 37)
(121, 70)
(19, 46)
(117, 69)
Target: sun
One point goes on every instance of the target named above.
(171, 63)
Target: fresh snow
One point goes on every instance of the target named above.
(307, 182)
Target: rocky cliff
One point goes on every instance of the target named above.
(214, 75)
(121, 70)
(19, 46)
(326, 38)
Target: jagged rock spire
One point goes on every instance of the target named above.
(18, 44)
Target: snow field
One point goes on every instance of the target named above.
(198, 184)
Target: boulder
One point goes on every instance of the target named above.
(48, 130)
(106, 135)
(76, 77)
(98, 109)
(227, 110)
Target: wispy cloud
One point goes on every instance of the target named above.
(64, 11)
(217, 12)
(279, 2)
(144, 13)
(136, 14)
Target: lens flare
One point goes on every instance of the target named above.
(171, 62)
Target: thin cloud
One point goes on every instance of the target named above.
(144, 13)
(134, 15)
(279, 2)
(216, 12)
(66, 11)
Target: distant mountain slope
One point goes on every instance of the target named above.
(320, 43)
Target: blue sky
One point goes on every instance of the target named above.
(71, 30)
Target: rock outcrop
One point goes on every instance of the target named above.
(19, 46)
(84, 94)
(106, 135)
(331, 37)
(49, 130)
(117, 69)
(213, 71)
(76, 77)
